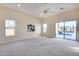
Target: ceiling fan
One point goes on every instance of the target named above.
(46, 9)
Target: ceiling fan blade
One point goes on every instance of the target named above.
(50, 11)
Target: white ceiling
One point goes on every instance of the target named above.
(34, 8)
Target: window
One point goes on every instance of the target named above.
(9, 27)
(44, 28)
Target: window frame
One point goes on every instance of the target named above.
(10, 27)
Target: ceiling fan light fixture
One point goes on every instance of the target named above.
(41, 14)
(40, 9)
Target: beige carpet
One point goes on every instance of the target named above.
(40, 47)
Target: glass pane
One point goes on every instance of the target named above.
(9, 32)
(9, 27)
(10, 23)
(45, 30)
(70, 30)
(60, 30)
(44, 25)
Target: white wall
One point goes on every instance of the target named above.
(22, 20)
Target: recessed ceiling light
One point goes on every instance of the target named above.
(18, 5)
(41, 14)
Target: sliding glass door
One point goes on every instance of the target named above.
(70, 30)
(60, 30)
(66, 30)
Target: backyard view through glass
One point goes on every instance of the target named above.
(66, 30)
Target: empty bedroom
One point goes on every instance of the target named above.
(39, 29)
